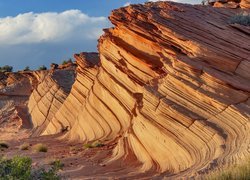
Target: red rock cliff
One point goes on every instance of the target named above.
(172, 87)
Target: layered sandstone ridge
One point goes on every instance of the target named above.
(170, 85)
(47, 98)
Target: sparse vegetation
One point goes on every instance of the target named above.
(235, 172)
(87, 145)
(6, 68)
(27, 68)
(16, 168)
(51, 174)
(93, 145)
(97, 144)
(3, 145)
(24, 147)
(57, 164)
(40, 148)
(21, 168)
(66, 62)
(42, 68)
(242, 19)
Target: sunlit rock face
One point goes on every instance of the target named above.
(233, 4)
(72, 113)
(15, 89)
(48, 96)
(245, 4)
(171, 84)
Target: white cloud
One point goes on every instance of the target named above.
(34, 39)
(127, 4)
(50, 27)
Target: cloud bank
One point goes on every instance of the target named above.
(47, 34)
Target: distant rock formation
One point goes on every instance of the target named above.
(244, 4)
(171, 85)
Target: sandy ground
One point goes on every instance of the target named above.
(79, 162)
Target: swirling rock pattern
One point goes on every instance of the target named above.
(47, 98)
(172, 87)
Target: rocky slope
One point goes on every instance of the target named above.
(245, 4)
(171, 87)
(15, 89)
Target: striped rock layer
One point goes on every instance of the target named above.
(172, 86)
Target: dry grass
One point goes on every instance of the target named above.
(236, 172)
(24, 147)
(40, 148)
(93, 145)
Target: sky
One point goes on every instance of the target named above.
(39, 32)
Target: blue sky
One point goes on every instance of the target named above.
(39, 32)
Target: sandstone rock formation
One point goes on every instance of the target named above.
(15, 89)
(244, 4)
(49, 95)
(171, 85)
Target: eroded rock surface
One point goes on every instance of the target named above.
(170, 86)
(48, 97)
(244, 4)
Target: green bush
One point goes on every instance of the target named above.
(57, 164)
(40, 148)
(16, 168)
(66, 62)
(42, 68)
(242, 19)
(20, 168)
(6, 68)
(27, 68)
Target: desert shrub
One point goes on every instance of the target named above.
(57, 164)
(51, 173)
(97, 144)
(236, 172)
(242, 19)
(66, 62)
(42, 68)
(93, 145)
(87, 145)
(40, 148)
(27, 68)
(3, 145)
(24, 146)
(6, 68)
(21, 168)
(16, 168)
